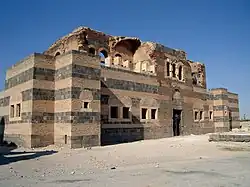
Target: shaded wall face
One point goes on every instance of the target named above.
(136, 92)
(4, 111)
(124, 52)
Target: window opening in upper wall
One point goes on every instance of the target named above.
(103, 54)
(180, 73)
(92, 50)
(173, 70)
(168, 69)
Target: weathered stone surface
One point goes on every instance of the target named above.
(74, 93)
(38, 94)
(232, 137)
(32, 73)
(85, 141)
(131, 86)
(4, 101)
(18, 139)
(44, 74)
(220, 97)
(220, 118)
(77, 117)
(121, 135)
(74, 70)
(231, 100)
(19, 79)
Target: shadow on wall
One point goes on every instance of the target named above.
(110, 136)
(2, 127)
(7, 157)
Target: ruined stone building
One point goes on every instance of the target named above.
(91, 89)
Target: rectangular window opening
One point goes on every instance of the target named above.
(114, 112)
(153, 113)
(201, 115)
(65, 139)
(173, 70)
(18, 110)
(168, 69)
(210, 115)
(195, 115)
(125, 112)
(86, 105)
(12, 109)
(104, 99)
(144, 112)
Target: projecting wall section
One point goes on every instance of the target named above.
(77, 100)
(18, 121)
(233, 105)
(42, 101)
(226, 109)
(85, 106)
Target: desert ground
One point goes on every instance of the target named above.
(171, 162)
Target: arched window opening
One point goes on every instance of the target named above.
(194, 79)
(104, 55)
(57, 54)
(92, 50)
(118, 59)
(144, 66)
(118, 55)
(173, 70)
(180, 73)
(168, 69)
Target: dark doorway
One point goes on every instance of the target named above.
(2, 127)
(176, 122)
(230, 121)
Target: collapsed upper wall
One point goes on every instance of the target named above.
(130, 53)
(85, 37)
(77, 39)
(198, 73)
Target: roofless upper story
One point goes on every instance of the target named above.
(131, 54)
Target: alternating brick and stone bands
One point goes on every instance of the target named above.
(77, 81)
(49, 109)
(66, 100)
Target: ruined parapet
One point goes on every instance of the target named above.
(122, 50)
(81, 39)
(198, 74)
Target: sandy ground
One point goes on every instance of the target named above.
(172, 162)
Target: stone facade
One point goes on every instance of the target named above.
(91, 89)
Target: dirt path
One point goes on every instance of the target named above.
(181, 161)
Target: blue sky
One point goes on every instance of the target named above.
(214, 32)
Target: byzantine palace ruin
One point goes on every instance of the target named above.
(92, 89)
